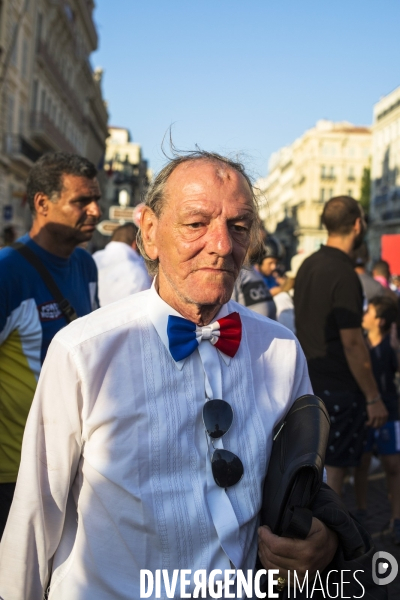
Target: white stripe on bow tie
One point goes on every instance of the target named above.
(208, 332)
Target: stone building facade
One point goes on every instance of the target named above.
(327, 160)
(50, 98)
(385, 171)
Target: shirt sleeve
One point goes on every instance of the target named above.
(348, 301)
(50, 456)
(302, 384)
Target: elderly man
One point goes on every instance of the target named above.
(125, 464)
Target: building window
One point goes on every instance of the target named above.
(39, 29)
(332, 172)
(322, 195)
(21, 124)
(14, 42)
(43, 101)
(10, 120)
(322, 171)
(24, 65)
(330, 194)
(350, 193)
(35, 95)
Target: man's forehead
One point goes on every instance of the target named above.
(200, 176)
(71, 182)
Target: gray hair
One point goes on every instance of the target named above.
(155, 197)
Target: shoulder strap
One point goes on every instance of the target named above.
(63, 304)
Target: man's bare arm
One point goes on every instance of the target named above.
(359, 362)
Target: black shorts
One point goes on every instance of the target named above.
(348, 416)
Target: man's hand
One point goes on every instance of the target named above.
(289, 554)
(377, 414)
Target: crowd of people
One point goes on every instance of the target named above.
(347, 322)
(115, 475)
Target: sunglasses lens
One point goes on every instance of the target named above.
(217, 417)
(227, 468)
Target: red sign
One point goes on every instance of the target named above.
(391, 251)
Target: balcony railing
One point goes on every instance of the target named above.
(48, 133)
(15, 145)
(388, 215)
(328, 176)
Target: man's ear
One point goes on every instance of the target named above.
(148, 225)
(41, 203)
(358, 225)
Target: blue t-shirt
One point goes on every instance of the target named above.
(270, 281)
(29, 319)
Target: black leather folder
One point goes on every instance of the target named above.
(295, 468)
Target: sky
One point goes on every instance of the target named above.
(243, 77)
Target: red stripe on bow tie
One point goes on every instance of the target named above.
(230, 334)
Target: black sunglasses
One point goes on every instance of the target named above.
(227, 468)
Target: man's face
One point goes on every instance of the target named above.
(76, 212)
(268, 265)
(370, 321)
(203, 233)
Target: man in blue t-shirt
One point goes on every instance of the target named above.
(63, 195)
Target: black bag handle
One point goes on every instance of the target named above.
(63, 304)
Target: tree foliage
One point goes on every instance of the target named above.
(365, 195)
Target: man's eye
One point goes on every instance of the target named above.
(195, 225)
(240, 228)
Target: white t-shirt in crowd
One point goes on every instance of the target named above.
(122, 272)
(285, 310)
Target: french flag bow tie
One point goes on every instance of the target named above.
(184, 336)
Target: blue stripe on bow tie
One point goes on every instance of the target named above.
(182, 337)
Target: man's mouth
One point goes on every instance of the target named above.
(90, 225)
(216, 270)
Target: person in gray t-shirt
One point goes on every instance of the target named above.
(251, 291)
(371, 287)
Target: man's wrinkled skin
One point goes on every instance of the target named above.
(61, 223)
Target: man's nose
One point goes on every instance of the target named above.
(94, 210)
(220, 239)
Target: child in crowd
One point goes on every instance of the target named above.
(380, 325)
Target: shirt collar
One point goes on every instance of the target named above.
(159, 312)
(336, 253)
